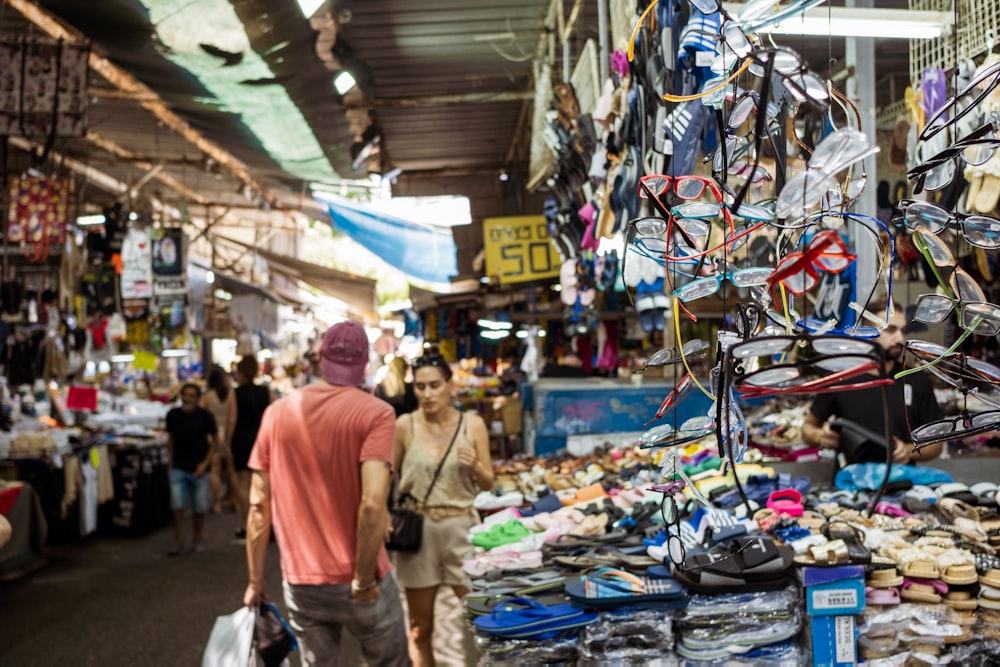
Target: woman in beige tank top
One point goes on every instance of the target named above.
(219, 400)
(422, 439)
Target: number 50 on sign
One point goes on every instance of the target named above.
(518, 249)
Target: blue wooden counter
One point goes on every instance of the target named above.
(565, 407)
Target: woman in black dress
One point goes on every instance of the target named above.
(251, 400)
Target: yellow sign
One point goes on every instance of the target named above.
(518, 249)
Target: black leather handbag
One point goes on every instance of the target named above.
(407, 516)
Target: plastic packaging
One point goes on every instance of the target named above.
(645, 636)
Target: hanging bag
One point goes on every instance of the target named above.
(407, 517)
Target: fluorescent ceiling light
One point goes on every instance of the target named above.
(494, 335)
(343, 82)
(122, 358)
(863, 22)
(175, 353)
(309, 7)
(90, 220)
(495, 325)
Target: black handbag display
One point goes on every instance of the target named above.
(407, 517)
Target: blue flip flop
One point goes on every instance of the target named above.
(609, 587)
(551, 631)
(519, 615)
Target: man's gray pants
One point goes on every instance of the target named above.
(318, 613)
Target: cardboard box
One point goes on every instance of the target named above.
(833, 641)
(834, 591)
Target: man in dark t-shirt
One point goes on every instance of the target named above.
(191, 432)
(911, 403)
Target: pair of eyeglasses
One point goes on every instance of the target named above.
(835, 153)
(966, 101)
(701, 210)
(938, 172)
(803, 84)
(981, 231)
(668, 356)
(957, 426)
(684, 187)
(672, 399)
(954, 363)
(666, 435)
(943, 359)
(671, 514)
(878, 231)
(963, 293)
(703, 287)
(807, 364)
(797, 271)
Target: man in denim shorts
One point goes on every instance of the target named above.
(191, 433)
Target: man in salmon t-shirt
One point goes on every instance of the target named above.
(322, 467)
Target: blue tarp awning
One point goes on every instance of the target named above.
(421, 251)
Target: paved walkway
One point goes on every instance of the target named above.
(110, 601)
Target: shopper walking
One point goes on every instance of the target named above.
(219, 400)
(322, 472)
(251, 401)
(191, 433)
(436, 433)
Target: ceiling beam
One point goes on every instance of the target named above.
(152, 102)
(444, 100)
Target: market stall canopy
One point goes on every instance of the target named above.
(420, 251)
(356, 291)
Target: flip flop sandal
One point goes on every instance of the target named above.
(961, 600)
(481, 607)
(989, 597)
(518, 615)
(786, 501)
(496, 578)
(853, 538)
(887, 578)
(917, 564)
(553, 630)
(957, 567)
(991, 578)
(882, 596)
(614, 588)
(985, 493)
(923, 590)
(831, 554)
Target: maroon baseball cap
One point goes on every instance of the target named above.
(344, 354)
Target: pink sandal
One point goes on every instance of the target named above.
(882, 596)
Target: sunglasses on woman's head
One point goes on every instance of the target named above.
(429, 360)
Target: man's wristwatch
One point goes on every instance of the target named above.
(358, 588)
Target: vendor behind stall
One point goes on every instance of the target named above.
(911, 404)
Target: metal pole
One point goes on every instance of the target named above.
(565, 61)
(860, 57)
(602, 39)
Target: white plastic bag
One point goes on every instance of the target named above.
(231, 641)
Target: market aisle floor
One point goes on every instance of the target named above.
(111, 601)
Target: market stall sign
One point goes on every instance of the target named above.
(137, 266)
(518, 249)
